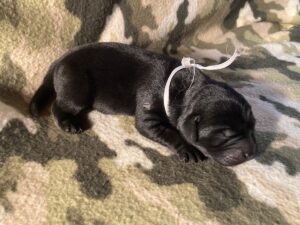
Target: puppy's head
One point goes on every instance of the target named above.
(219, 122)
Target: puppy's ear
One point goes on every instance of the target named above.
(189, 126)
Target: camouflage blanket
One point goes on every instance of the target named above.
(111, 174)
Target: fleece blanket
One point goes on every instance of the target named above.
(111, 174)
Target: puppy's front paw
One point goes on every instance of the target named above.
(191, 154)
(71, 125)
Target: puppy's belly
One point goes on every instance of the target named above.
(114, 105)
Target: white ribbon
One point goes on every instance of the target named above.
(188, 63)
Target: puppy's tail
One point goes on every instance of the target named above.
(44, 95)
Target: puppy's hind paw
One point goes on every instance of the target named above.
(71, 125)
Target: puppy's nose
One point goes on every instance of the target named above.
(250, 151)
(246, 155)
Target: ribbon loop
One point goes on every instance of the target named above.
(187, 62)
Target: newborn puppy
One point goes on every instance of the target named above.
(207, 118)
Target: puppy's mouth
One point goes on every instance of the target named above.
(244, 150)
(231, 161)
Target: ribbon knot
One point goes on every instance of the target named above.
(188, 62)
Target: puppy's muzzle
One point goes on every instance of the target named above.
(238, 153)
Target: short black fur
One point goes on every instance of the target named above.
(207, 118)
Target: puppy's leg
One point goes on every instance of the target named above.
(67, 121)
(153, 126)
(73, 97)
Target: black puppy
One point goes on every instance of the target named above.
(207, 118)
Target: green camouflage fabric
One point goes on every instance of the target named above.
(111, 174)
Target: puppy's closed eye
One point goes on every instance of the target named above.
(229, 133)
(222, 137)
